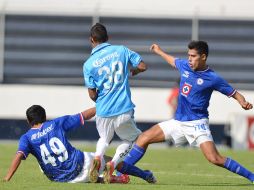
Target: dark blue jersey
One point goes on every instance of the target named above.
(195, 91)
(55, 155)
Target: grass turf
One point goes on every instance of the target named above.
(174, 168)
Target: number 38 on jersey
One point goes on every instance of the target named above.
(114, 75)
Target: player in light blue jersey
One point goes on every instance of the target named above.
(191, 123)
(58, 159)
(106, 75)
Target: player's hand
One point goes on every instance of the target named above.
(246, 105)
(155, 48)
(134, 71)
(5, 180)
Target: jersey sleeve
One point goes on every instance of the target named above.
(222, 86)
(89, 80)
(24, 146)
(181, 64)
(133, 57)
(70, 122)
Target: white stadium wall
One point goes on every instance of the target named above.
(149, 8)
(151, 104)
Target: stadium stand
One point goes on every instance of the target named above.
(52, 49)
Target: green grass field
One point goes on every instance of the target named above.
(175, 169)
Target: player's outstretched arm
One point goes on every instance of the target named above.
(140, 68)
(14, 166)
(89, 113)
(168, 58)
(241, 100)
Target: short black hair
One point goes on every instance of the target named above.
(99, 33)
(35, 114)
(200, 46)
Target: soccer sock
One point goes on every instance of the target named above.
(133, 170)
(135, 155)
(235, 167)
(121, 152)
(101, 147)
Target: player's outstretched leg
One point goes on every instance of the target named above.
(213, 156)
(235, 167)
(152, 135)
(150, 178)
(126, 168)
(136, 153)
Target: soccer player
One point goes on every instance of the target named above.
(106, 75)
(58, 159)
(191, 123)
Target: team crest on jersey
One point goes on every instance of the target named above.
(186, 89)
(200, 81)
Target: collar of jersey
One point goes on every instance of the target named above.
(38, 127)
(204, 70)
(99, 47)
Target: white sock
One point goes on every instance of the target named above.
(121, 151)
(101, 147)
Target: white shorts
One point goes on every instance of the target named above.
(194, 132)
(124, 126)
(83, 176)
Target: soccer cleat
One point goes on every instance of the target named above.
(150, 178)
(94, 171)
(118, 173)
(108, 171)
(124, 178)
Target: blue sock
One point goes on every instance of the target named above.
(133, 170)
(235, 167)
(134, 155)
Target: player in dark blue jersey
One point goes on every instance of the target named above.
(58, 159)
(191, 122)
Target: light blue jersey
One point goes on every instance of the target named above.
(195, 91)
(107, 71)
(57, 158)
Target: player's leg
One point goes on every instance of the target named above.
(157, 133)
(105, 129)
(127, 131)
(106, 133)
(111, 165)
(152, 135)
(212, 155)
(123, 179)
(126, 168)
(83, 176)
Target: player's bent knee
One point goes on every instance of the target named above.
(216, 160)
(143, 139)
